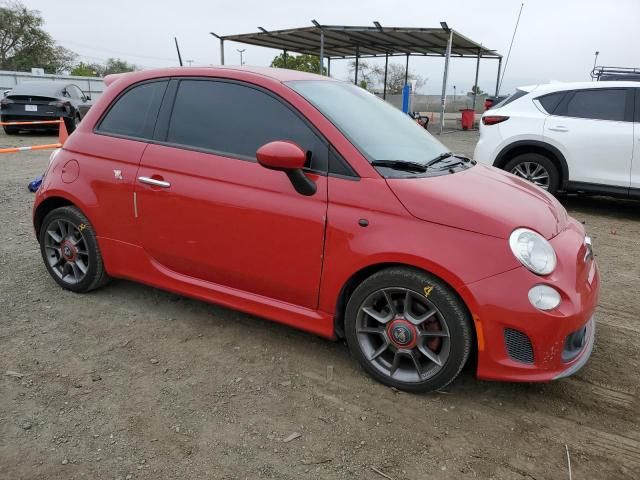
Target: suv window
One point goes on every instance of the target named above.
(550, 101)
(600, 104)
(235, 120)
(511, 98)
(134, 113)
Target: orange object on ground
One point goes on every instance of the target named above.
(62, 136)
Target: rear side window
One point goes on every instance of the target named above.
(134, 113)
(512, 98)
(551, 101)
(235, 120)
(601, 104)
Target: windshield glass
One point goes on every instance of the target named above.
(379, 130)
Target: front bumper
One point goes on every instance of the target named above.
(517, 342)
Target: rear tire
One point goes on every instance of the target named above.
(70, 250)
(10, 130)
(410, 314)
(537, 169)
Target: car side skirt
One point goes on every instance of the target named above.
(127, 261)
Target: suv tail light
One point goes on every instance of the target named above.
(493, 119)
(4, 102)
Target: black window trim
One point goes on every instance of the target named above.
(96, 128)
(628, 106)
(164, 121)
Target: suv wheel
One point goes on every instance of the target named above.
(408, 330)
(70, 250)
(537, 169)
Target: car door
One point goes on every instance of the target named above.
(635, 166)
(593, 129)
(218, 215)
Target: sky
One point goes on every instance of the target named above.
(555, 41)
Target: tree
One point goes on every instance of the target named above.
(373, 76)
(477, 90)
(24, 44)
(367, 74)
(87, 70)
(395, 78)
(117, 65)
(303, 63)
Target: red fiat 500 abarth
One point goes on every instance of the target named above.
(313, 203)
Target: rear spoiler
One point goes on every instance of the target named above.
(109, 79)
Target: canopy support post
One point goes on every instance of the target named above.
(443, 99)
(328, 66)
(475, 84)
(386, 66)
(406, 71)
(284, 54)
(321, 51)
(498, 77)
(355, 81)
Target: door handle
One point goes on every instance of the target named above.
(559, 129)
(154, 182)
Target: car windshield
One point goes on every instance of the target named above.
(379, 130)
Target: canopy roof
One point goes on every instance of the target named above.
(345, 41)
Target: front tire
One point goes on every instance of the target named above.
(537, 169)
(408, 329)
(70, 250)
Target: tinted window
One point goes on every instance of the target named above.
(550, 102)
(236, 120)
(602, 104)
(74, 91)
(511, 98)
(134, 113)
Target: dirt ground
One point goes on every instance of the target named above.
(130, 382)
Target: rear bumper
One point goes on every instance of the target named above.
(32, 118)
(542, 347)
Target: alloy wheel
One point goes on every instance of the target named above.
(67, 251)
(403, 335)
(532, 172)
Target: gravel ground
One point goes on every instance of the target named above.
(131, 382)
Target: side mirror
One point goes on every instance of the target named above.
(290, 159)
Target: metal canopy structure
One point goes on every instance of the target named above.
(352, 42)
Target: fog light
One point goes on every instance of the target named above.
(544, 297)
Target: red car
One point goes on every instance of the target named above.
(311, 202)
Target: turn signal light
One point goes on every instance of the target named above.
(493, 119)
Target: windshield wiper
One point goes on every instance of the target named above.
(400, 165)
(444, 156)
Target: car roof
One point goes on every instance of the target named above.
(277, 74)
(561, 86)
(39, 87)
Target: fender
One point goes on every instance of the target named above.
(500, 158)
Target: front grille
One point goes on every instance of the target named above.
(573, 344)
(518, 345)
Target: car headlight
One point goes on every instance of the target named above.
(533, 251)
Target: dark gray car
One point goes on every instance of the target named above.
(44, 100)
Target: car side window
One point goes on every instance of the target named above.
(235, 120)
(74, 92)
(134, 113)
(600, 104)
(550, 101)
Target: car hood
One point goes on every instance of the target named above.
(481, 199)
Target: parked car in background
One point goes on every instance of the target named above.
(568, 136)
(44, 100)
(299, 212)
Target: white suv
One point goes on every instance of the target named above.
(568, 136)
